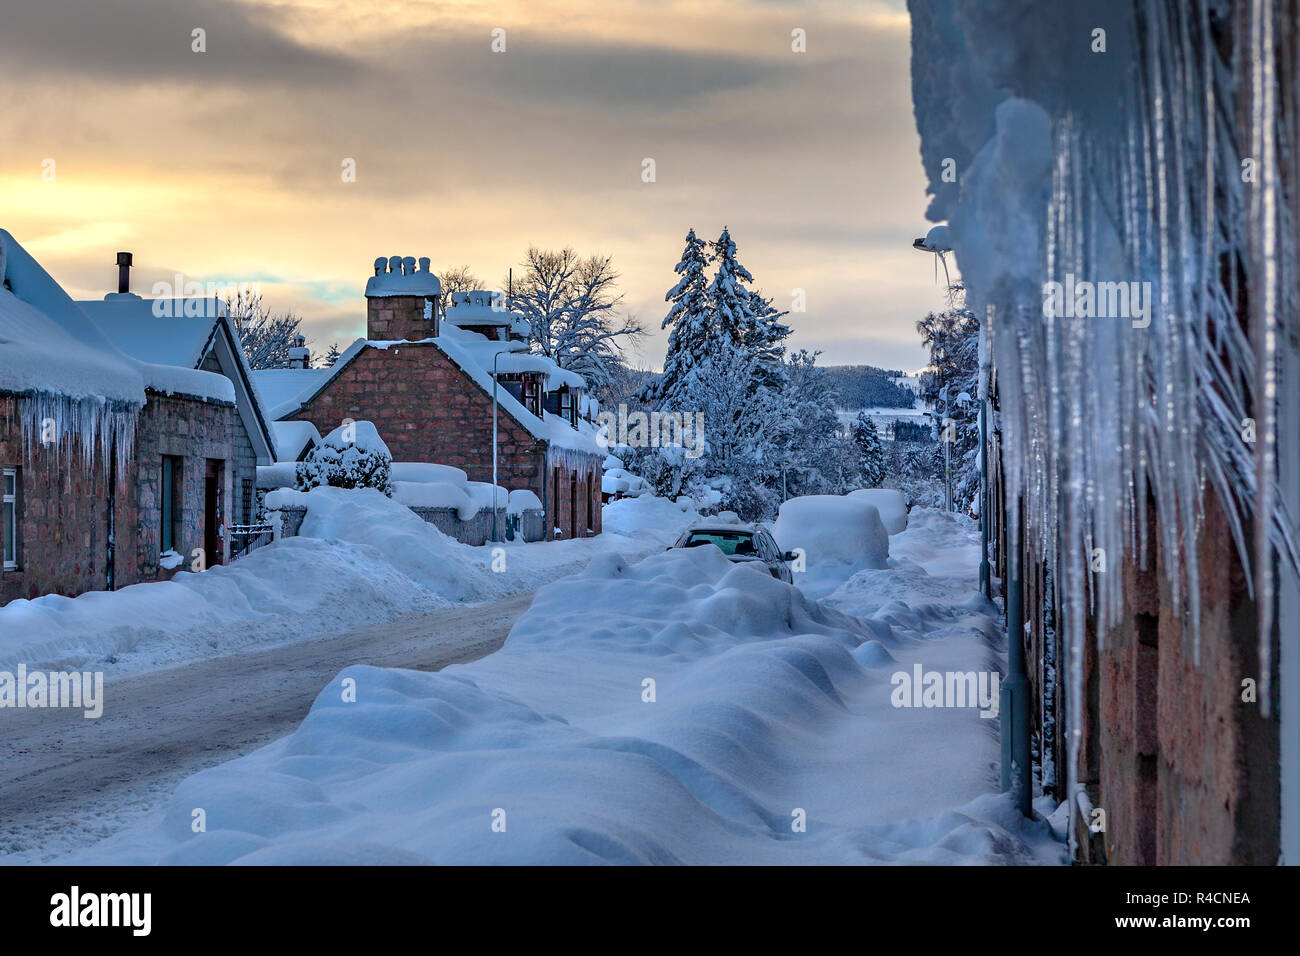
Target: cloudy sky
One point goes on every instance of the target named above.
(226, 165)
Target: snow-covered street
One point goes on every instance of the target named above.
(676, 709)
(66, 782)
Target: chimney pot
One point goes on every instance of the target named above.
(380, 264)
(424, 263)
(395, 265)
(408, 266)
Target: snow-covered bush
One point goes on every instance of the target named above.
(351, 456)
(668, 470)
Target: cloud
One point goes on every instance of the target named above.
(151, 40)
(227, 164)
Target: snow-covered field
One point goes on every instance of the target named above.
(678, 709)
(361, 559)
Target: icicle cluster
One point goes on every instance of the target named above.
(1102, 414)
(78, 429)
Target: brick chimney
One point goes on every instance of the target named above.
(402, 301)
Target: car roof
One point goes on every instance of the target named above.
(732, 526)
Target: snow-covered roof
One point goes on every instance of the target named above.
(180, 333)
(484, 307)
(138, 328)
(396, 275)
(515, 358)
(50, 346)
(284, 390)
(293, 438)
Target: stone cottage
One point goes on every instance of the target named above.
(115, 470)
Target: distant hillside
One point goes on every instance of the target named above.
(865, 386)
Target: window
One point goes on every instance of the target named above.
(246, 499)
(730, 542)
(566, 405)
(170, 503)
(533, 395)
(9, 518)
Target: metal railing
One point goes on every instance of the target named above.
(245, 538)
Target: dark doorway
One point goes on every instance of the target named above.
(212, 517)
(574, 531)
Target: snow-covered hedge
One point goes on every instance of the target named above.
(351, 456)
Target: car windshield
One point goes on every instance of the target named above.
(731, 542)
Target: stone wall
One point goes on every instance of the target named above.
(64, 500)
(63, 503)
(194, 431)
(476, 531)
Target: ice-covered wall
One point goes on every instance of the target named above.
(1135, 142)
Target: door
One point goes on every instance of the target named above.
(573, 506)
(212, 518)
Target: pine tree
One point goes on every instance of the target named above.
(764, 337)
(690, 338)
(871, 454)
(730, 303)
(332, 356)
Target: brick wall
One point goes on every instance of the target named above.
(427, 409)
(399, 318)
(1185, 770)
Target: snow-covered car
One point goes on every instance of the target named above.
(742, 543)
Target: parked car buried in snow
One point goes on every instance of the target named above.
(741, 543)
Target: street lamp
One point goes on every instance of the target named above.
(495, 357)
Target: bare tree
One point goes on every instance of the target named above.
(265, 337)
(571, 304)
(458, 279)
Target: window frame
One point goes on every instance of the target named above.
(9, 504)
(170, 502)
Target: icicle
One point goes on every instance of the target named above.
(1264, 273)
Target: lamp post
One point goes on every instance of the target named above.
(495, 357)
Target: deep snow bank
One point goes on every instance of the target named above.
(837, 536)
(682, 709)
(891, 505)
(361, 558)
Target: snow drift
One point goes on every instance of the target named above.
(679, 710)
(891, 505)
